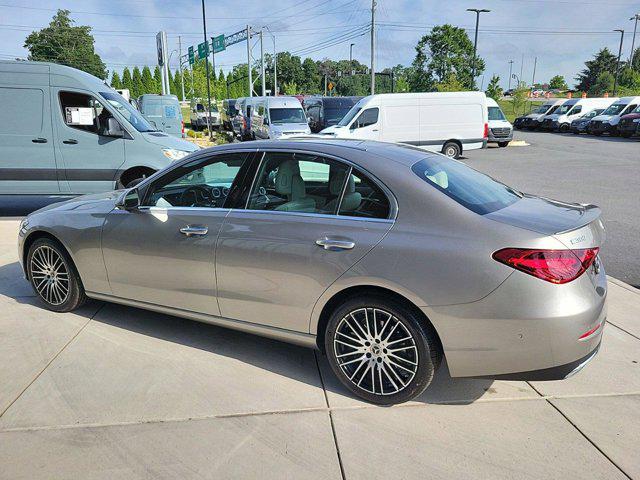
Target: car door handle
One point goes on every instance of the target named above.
(334, 245)
(71, 141)
(191, 230)
(39, 140)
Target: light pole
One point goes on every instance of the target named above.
(373, 47)
(510, 68)
(206, 63)
(275, 62)
(636, 17)
(615, 81)
(351, 58)
(477, 11)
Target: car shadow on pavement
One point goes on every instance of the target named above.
(271, 355)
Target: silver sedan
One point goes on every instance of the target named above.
(387, 258)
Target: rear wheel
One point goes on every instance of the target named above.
(53, 276)
(381, 351)
(503, 144)
(564, 128)
(451, 149)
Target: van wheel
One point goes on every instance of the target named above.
(564, 128)
(451, 150)
(503, 144)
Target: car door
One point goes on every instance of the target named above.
(90, 159)
(162, 253)
(275, 257)
(28, 162)
(367, 125)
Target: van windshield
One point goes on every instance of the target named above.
(563, 109)
(135, 119)
(615, 109)
(287, 115)
(351, 114)
(496, 114)
(541, 109)
(471, 189)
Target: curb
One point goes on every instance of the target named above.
(624, 285)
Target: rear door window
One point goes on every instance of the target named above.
(471, 189)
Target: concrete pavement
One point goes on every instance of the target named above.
(117, 392)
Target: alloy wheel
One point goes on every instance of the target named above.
(50, 275)
(375, 351)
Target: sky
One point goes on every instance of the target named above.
(562, 34)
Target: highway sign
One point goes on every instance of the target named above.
(235, 38)
(203, 50)
(218, 43)
(192, 57)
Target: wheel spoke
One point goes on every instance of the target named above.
(403, 359)
(400, 340)
(358, 325)
(350, 338)
(49, 275)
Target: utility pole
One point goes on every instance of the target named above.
(636, 17)
(615, 82)
(249, 60)
(521, 67)
(325, 84)
(275, 62)
(373, 47)
(180, 64)
(533, 77)
(206, 63)
(264, 82)
(477, 11)
(510, 68)
(351, 58)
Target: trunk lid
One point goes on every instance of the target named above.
(575, 225)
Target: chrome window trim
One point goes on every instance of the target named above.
(344, 189)
(314, 215)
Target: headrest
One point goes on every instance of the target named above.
(284, 177)
(337, 182)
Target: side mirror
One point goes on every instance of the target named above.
(113, 128)
(265, 121)
(129, 200)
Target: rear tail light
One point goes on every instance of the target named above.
(486, 130)
(182, 122)
(555, 266)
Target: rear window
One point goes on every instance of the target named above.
(471, 189)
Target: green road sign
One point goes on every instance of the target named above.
(192, 57)
(218, 43)
(203, 50)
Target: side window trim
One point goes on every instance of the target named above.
(344, 189)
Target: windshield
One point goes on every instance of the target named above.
(135, 119)
(563, 109)
(471, 189)
(287, 115)
(615, 109)
(351, 114)
(541, 109)
(334, 115)
(496, 114)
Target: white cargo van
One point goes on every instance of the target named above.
(500, 129)
(531, 121)
(573, 108)
(447, 122)
(275, 118)
(607, 121)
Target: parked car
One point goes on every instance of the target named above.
(163, 112)
(446, 122)
(228, 113)
(530, 121)
(274, 118)
(65, 132)
(628, 125)
(386, 257)
(324, 112)
(200, 118)
(561, 118)
(607, 121)
(239, 122)
(581, 124)
(500, 130)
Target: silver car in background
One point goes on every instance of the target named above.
(386, 257)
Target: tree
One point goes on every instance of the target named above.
(603, 62)
(290, 88)
(558, 82)
(157, 78)
(62, 42)
(603, 84)
(138, 89)
(451, 84)
(635, 60)
(519, 98)
(494, 90)
(115, 81)
(148, 83)
(445, 51)
(127, 81)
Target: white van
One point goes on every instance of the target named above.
(274, 117)
(500, 129)
(531, 120)
(571, 109)
(607, 121)
(64, 132)
(447, 122)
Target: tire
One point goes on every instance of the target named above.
(451, 150)
(503, 144)
(54, 277)
(564, 128)
(418, 361)
(626, 134)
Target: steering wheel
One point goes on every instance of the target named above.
(196, 196)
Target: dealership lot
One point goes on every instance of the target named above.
(586, 169)
(117, 392)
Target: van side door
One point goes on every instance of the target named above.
(171, 117)
(28, 162)
(90, 158)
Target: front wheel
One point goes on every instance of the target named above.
(53, 276)
(503, 144)
(564, 128)
(381, 351)
(451, 150)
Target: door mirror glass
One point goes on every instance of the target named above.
(130, 200)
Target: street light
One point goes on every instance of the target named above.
(636, 17)
(351, 58)
(275, 62)
(477, 11)
(615, 82)
(510, 67)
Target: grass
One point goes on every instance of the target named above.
(186, 116)
(507, 108)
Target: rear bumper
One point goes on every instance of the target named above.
(526, 329)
